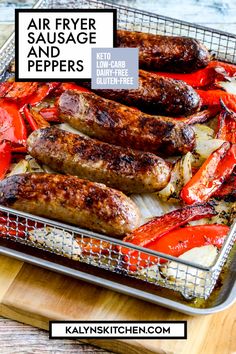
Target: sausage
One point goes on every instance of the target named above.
(156, 95)
(72, 200)
(117, 124)
(165, 53)
(125, 169)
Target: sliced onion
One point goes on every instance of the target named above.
(68, 128)
(33, 165)
(20, 167)
(189, 277)
(58, 241)
(224, 210)
(151, 205)
(180, 175)
(205, 143)
(229, 86)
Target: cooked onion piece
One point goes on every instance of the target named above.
(180, 175)
(205, 143)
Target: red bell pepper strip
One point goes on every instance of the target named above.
(228, 189)
(6, 231)
(27, 92)
(71, 86)
(227, 125)
(93, 246)
(50, 114)
(214, 97)
(160, 225)
(35, 120)
(180, 241)
(5, 158)
(4, 88)
(199, 78)
(230, 69)
(12, 126)
(29, 118)
(42, 92)
(20, 90)
(53, 85)
(8, 227)
(201, 117)
(20, 149)
(214, 171)
(204, 77)
(40, 121)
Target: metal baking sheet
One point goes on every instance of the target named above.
(128, 286)
(224, 45)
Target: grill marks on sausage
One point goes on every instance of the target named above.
(70, 199)
(125, 169)
(117, 124)
(166, 53)
(156, 95)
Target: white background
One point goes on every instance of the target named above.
(176, 329)
(70, 51)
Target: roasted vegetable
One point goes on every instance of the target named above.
(199, 78)
(228, 86)
(201, 117)
(181, 240)
(161, 225)
(228, 189)
(5, 158)
(213, 73)
(26, 92)
(208, 179)
(48, 237)
(8, 227)
(50, 114)
(227, 125)
(12, 126)
(206, 144)
(20, 90)
(229, 69)
(214, 97)
(42, 92)
(191, 278)
(29, 118)
(223, 210)
(180, 175)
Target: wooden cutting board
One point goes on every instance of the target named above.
(34, 296)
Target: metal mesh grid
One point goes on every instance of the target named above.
(114, 255)
(80, 245)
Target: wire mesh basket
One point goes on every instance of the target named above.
(192, 280)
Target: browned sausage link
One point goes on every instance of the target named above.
(72, 200)
(156, 95)
(117, 124)
(166, 53)
(125, 169)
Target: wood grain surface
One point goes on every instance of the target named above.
(35, 296)
(18, 338)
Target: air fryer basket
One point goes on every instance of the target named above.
(78, 245)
